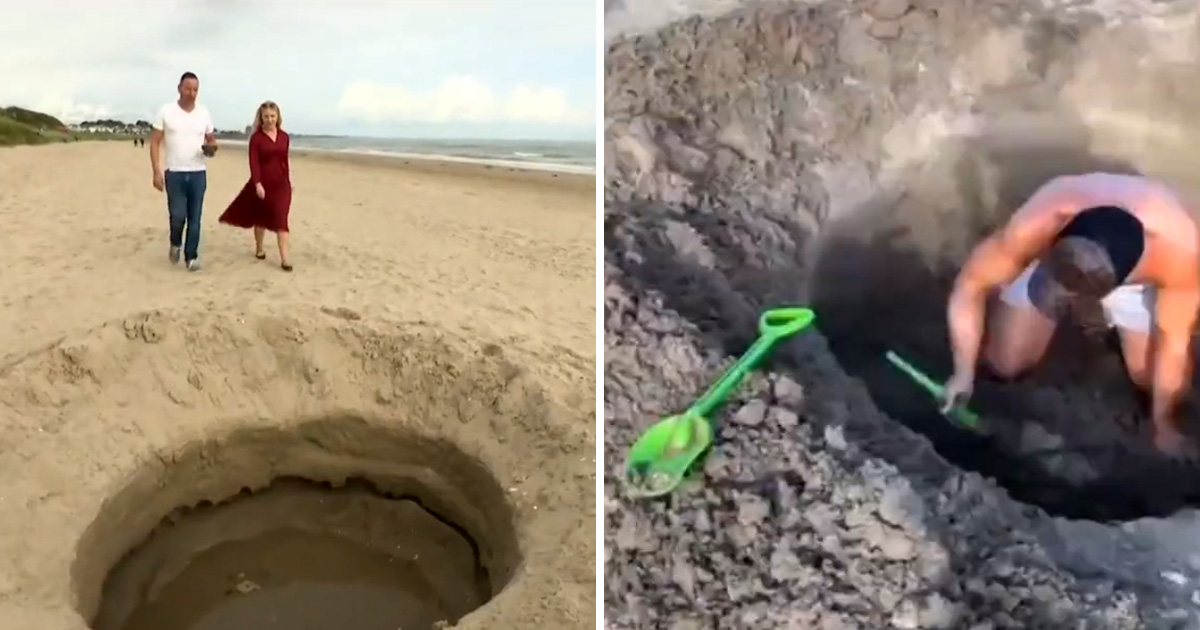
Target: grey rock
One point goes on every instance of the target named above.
(889, 9)
(885, 29)
(751, 414)
(835, 438)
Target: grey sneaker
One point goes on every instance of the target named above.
(174, 255)
(193, 265)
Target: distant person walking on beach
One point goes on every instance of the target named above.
(181, 139)
(266, 199)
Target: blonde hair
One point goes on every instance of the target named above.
(268, 106)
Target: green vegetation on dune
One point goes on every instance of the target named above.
(13, 132)
(24, 126)
(37, 120)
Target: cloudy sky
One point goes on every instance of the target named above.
(417, 68)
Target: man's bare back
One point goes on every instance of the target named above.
(1160, 211)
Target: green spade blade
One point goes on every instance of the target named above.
(664, 455)
(959, 415)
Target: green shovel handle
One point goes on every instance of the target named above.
(774, 326)
(961, 414)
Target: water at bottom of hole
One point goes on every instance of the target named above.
(295, 580)
(297, 558)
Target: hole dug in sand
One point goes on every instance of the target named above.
(298, 529)
(175, 452)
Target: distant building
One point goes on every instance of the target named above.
(109, 127)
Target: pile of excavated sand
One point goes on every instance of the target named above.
(846, 156)
(111, 430)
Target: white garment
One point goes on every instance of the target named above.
(1129, 306)
(183, 135)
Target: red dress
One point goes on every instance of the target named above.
(268, 166)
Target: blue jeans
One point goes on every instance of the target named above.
(185, 203)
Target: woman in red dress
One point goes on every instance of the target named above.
(266, 199)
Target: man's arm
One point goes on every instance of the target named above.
(995, 262)
(1175, 315)
(990, 265)
(210, 131)
(156, 141)
(156, 138)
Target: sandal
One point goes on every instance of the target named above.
(286, 267)
(261, 255)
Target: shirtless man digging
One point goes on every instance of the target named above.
(1117, 246)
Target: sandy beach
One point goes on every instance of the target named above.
(437, 338)
(415, 240)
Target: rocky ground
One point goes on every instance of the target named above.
(789, 153)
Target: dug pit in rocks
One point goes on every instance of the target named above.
(804, 153)
(295, 466)
(1072, 436)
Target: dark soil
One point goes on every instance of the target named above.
(814, 154)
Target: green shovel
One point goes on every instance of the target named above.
(959, 415)
(667, 451)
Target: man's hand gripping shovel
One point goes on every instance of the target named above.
(954, 410)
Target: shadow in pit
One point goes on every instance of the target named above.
(880, 286)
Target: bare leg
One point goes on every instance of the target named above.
(1135, 348)
(258, 242)
(1017, 338)
(285, 258)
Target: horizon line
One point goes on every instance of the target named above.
(301, 134)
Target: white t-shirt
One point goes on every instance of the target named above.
(183, 135)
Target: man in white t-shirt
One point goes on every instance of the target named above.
(182, 139)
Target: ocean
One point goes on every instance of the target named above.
(544, 155)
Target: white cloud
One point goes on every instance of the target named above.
(545, 104)
(127, 59)
(460, 99)
(69, 111)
